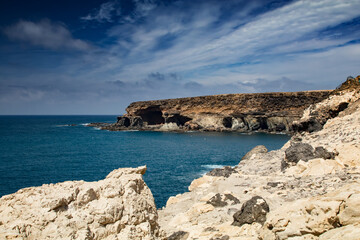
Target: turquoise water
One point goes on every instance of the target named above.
(43, 149)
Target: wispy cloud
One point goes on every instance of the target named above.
(45, 34)
(178, 49)
(104, 13)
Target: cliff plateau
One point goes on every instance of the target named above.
(272, 112)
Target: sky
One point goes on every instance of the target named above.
(96, 57)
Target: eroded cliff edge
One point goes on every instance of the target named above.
(271, 112)
(308, 189)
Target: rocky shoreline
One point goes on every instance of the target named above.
(308, 189)
(261, 112)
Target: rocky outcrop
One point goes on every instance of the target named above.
(270, 112)
(119, 207)
(256, 150)
(254, 210)
(310, 187)
(317, 115)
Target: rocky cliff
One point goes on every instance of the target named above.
(308, 189)
(273, 112)
(119, 207)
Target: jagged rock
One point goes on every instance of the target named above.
(123, 121)
(254, 210)
(221, 172)
(221, 200)
(255, 150)
(321, 152)
(315, 216)
(180, 235)
(299, 151)
(119, 207)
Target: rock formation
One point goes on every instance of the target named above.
(308, 189)
(311, 186)
(270, 112)
(119, 207)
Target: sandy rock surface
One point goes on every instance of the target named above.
(119, 207)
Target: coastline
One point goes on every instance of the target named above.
(308, 189)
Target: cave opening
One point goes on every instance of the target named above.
(180, 120)
(152, 115)
(263, 123)
(227, 122)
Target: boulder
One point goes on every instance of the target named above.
(253, 210)
(299, 151)
(255, 150)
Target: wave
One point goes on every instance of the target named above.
(212, 166)
(84, 124)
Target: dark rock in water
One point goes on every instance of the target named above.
(180, 235)
(221, 200)
(299, 151)
(225, 237)
(123, 121)
(321, 152)
(221, 172)
(98, 124)
(254, 210)
(136, 122)
(255, 150)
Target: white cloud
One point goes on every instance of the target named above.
(45, 34)
(104, 13)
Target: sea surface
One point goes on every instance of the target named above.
(46, 149)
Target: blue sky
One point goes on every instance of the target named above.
(96, 57)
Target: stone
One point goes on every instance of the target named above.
(221, 172)
(225, 237)
(349, 232)
(253, 210)
(180, 235)
(299, 151)
(255, 150)
(120, 206)
(321, 152)
(222, 200)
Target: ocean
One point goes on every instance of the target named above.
(35, 150)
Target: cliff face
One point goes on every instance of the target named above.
(230, 112)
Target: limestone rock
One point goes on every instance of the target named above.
(221, 172)
(119, 207)
(254, 210)
(255, 150)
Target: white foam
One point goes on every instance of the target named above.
(212, 166)
(85, 124)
